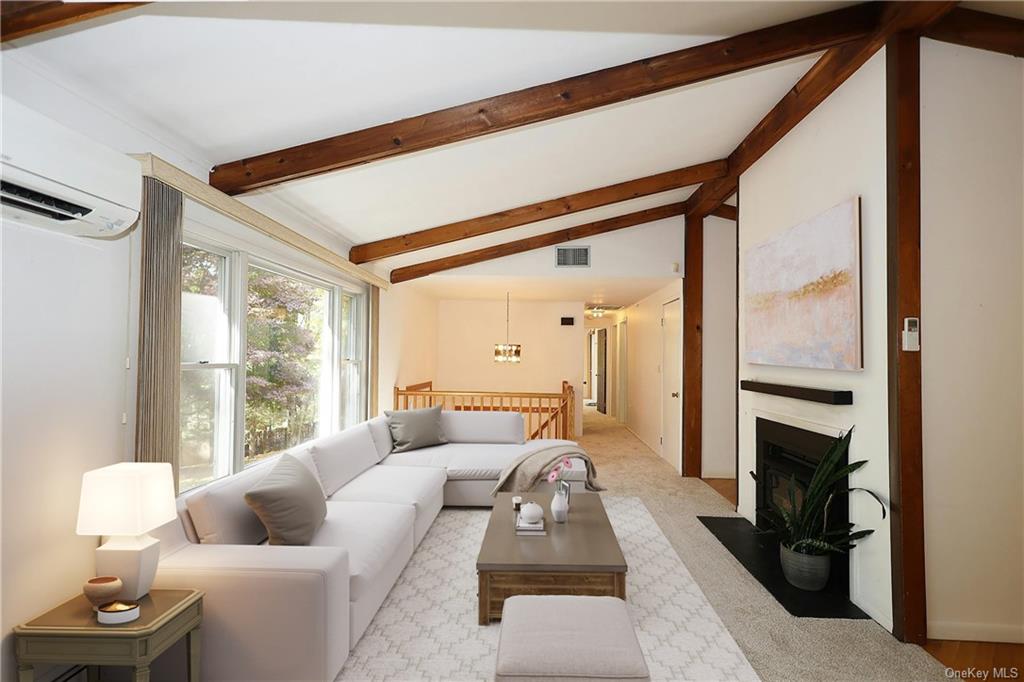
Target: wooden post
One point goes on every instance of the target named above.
(693, 364)
(906, 484)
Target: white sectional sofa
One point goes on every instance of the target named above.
(294, 612)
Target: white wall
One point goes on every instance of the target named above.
(643, 357)
(40, 88)
(647, 250)
(837, 152)
(65, 316)
(408, 341)
(718, 438)
(468, 330)
(972, 349)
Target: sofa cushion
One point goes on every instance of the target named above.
(381, 433)
(219, 512)
(375, 535)
(289, 501)
(483, 427)
(469, 461)
(341, 457)
(421, 487)
(415, 429)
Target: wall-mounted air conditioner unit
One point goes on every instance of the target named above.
(55, 178)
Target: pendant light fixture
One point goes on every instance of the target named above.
(507, 352)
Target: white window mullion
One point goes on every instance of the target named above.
(238, 297)
(334, 368)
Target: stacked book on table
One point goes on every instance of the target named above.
(525, 528)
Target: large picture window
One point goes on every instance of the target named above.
(271, 358)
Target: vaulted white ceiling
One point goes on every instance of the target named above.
(236, 79)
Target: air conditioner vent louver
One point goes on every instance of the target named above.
(39, 203)
(573, 257)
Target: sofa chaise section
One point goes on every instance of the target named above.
(270, 612)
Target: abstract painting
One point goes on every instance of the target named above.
(802, 294)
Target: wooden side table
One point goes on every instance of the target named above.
(70, 634)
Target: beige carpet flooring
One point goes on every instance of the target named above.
(778, 645)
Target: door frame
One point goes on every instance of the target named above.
(601, 370)
(678, 458)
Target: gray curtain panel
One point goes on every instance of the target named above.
(156, 411)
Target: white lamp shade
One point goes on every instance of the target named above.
(131, 498)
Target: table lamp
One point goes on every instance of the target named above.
(125, 501)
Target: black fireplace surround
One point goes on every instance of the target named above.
(783, 452)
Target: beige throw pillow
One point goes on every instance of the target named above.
(290, 502)
(414, 429)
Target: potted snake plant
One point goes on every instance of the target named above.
(806, 543)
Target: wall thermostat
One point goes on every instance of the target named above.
(911, 334)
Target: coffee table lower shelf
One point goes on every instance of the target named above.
(497, 586)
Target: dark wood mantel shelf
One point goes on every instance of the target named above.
(817, 395)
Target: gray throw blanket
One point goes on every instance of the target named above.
(531, 468)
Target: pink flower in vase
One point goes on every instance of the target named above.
(554, 473)
(566, 464)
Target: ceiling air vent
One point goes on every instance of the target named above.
(573, 257)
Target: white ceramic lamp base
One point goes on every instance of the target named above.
(133, 559)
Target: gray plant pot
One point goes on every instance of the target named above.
(807, 571)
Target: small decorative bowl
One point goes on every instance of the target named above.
(102, 589)
(117, 612)
(531, 512)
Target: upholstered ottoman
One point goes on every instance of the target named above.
(566, 638)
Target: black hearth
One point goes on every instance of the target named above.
(783, 452)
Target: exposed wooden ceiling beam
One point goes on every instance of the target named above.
(727, 212)
(552, 100)
(542, 210)
(20, 19)
(982, 30)
(536, 242)
(831, 71)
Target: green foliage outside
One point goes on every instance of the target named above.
(284, 333)
(285, 320)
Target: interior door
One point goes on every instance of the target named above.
(601, 383)
(671, 385)
(587, 361)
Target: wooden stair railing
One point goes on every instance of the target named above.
(545, 415)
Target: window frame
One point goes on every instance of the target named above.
(239, 258)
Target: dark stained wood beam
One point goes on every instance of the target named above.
(981, 30)
(727, 212)
(693, 345)
(542, 210)
(903, 221)
(536, 242)
(552, 100)
(830, 71)
(21, 19)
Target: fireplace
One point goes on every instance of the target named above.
(785, 452)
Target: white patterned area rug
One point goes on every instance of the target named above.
(427, 628)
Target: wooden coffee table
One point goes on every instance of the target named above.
(581, 556)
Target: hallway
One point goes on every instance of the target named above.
(778, 645)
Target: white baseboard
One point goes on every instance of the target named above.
(976, 632)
